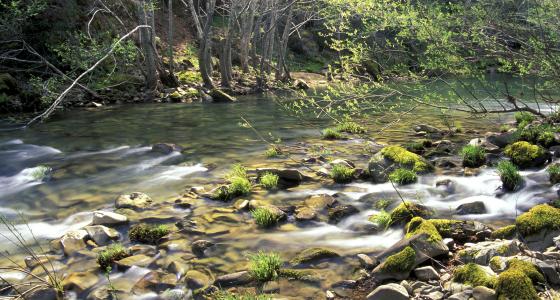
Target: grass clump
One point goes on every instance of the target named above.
(509, 174)
(418, 146)
(403, 176)
(546, 138)
(406, 158)
(524, 154)
(237, 170)
(238, 186)
(554, 173)
(264, 217)
(538, 218)
(272, 152)
(331, 134)
(405, 211)
(350, 127)
(514, 284)
(504, 233)
(342, 174)
(524, 117)
(418, 226)
(223, 295)
(402, 261)
(147, 233)
(382, 219)
(473, 156)
(41, 172)
(269, 181)
(264, 266)
(111, 254)
(474, 275)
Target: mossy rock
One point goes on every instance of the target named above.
(505, 233)
(405, 211)
(526, 267)
(313, 254)
(401, 262)
(526, 155)
(473, 275)
(418, 226)
(514, 284)
(540, 218)
(392, 158)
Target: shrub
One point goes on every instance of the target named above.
(331, 134)
(554, 173)
(473, 274)
(264, 217)
(269, 181)
(403, 176)
(406, 158)
(418, 226)
(524, 154)
(381, 219)
(402, 261)
(264, 267)
(509, 174)
(473, 156)
(538, 218)
(111, 254)
(522, 116)
(272, 152)
(350, 127)
(342, 174)
(147, 233)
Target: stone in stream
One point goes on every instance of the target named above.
(471, 208)
(73, 241)
(108, 218)
(196, 279)
(79, 281)
(391, 291)
(337, 213)
(305, 214)
(311, 255)
(198, 247)
(320, 202)
(485, 144)
(155, 281)
(234, 279)
(367, 262)
(481, 253)
(426, 273)
(102, 235)
(426, 128)
(139, 260)
(135, 201)
(166, 148)
(287, 177)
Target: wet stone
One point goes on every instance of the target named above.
(135, 201)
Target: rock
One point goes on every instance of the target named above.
(198, 247)
(446, 185)
(41, 293)
(426, 273)
(139, 260)
(391, 291)
(342, 162)
(471, 208)
(526, 155)
(448, 162)
(313, 255)
(481, 253)
(337, 213)
(196, 279)
(329, 295)
(79, 281)
(221, 96)
(135, 201)
(166, 148)
(464, 231)
(305, 214)
(73, 241)
(108, 218)
(300, 84)
(320, 202)
(41, 259)
(394, 157)
(484, 293)
(426, 128)
(501, 139)
(367, 262)
(155, 281)
(485, 144)
(287, 177)
(102, 235)
(234, 279)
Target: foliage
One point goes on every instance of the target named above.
(269, 181)
(538, 218)
(342, 174)
(237, 170)
(189, 77)
(111, 254)
(473, 274)
(350, 127)
(524, 117)
(147, 233)
(473, 156)
(406, 158)
(509, 174)
(402, 261)
(403, 176)
(419, 226)
(264, 267)
(264, 217)
(381, 219)
(554, 173)
(331, 134)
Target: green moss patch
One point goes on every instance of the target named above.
(474, 275)
(524, 154)
(402, 261)
(505, 233)
(418, 226)
(538, 218)
(444, 226)
(406, 158)
(111, 254)
(403, 176)
(408, 210)
(514, 284)
(526, 267)
(313, 254)
(147, 233)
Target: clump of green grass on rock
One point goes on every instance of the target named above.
(239, 184)
(403, 176)
(331, 134)
(473, 156)
(111, 254)
(342, 174)
(264, 266)
(405, 211)
(406, 158)
(147, 233)
(350, 127)
(509, 174)
(264, 217)
(269, 181)
(272, 152)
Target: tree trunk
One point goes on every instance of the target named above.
(152, 78)
(205, 53)
(282, 72)
(170, 35)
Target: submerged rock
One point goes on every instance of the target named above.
(198, 247)
(471, 208)
(312, 255)
(135, 201)
(234, 279)
(79, 281)
(196, 279)
(287, 177)
(166, 148)
(155, 281)
(337, 213)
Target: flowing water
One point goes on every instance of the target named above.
(98, 154)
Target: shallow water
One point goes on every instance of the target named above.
(98, 154)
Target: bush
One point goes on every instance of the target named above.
(509, 174)
(524, 117)
(264, 267)
(381, 219)
(331, 134)
(525, 154)
(402, 261)
(350, 127)
(147, 233)
(403, 176)
(269, 181)
(264, 217)
(554, 173)
(111, 254)
(342, 174)
(473, 274)
(473, 156)
(272, 152)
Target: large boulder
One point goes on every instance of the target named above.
(527, 155)
(135, 201)
(393, 157)
(481, 253)
(539, 226)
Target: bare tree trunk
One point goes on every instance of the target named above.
(225, 57)
(170, 35)
(282, 72)
(205, 53)
(247, 23)
(146, 44)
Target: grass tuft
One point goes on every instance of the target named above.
(342, 174)
(554, 173)
(509, 174)
(269, 181)
(350, 127)
(403, 176)
(264, 266)
(111, 254)
(264, 217)
(272, 152)
(382, 219)
(331, 134)
(147, 233)
(473, 156)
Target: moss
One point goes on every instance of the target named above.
(272, 152)
(311, 254)
(502, 250)
(264, 217)
(382, 203)
(473, 274)
(443, 226)
(509, 174)
(402, 261)
(350, 127)
(514, 284)
(269, 181)
(406, 158)
(147, 233)
(342, 174)
(554, 173)
(546, 138)
(405, 211)
(331, 134)
(264, 267)
(381, 219)
(418, 226)
(403, 176)
(538, 218)
(111, 254)
(294, 274)
(526, 267)
(506, 232)
(523, 153)
(496, 263)
(473, 156)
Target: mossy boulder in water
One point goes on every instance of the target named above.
(418, 225)
(392, 158)
(539, 226)
(526, 155)
(405, 211)
(135, 201)
(312, 255)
